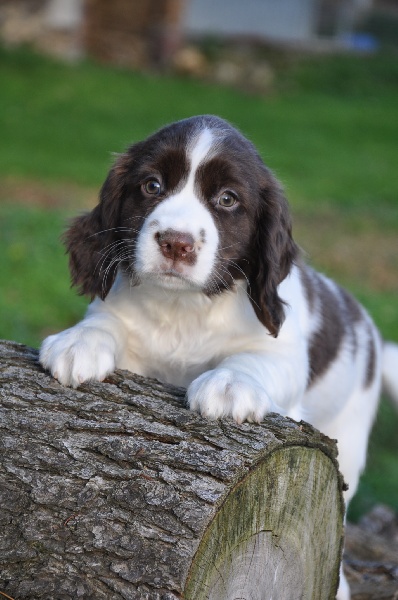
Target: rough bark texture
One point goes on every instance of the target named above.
(116, 490)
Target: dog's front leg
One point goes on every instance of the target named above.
(88, 351)
(248, 386)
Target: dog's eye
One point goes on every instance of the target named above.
(227, 200)
(152, 187)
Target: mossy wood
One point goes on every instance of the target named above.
(117, 491)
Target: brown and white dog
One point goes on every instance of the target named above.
(196, 280)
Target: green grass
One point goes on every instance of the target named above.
(36, 298)
(330, 134)
(380, 481)
(329, 130)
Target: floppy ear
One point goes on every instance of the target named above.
(274, 255)
(90, 240)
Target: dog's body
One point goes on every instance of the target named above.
(199, 283)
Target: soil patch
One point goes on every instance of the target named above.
(47, 195)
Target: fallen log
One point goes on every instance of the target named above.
(116, 490)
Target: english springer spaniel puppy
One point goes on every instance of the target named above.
(196, 280)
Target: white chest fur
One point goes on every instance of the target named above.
(174, 335)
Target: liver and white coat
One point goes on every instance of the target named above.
(196, 280)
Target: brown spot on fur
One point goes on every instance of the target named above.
(309, 286)
(353, 315)
(326, 341)
(351, 307)
(216, 175)
(371, 359)
(173, 165)
(340, 314)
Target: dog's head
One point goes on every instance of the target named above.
(191, 207)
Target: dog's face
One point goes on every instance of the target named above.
(191, 207)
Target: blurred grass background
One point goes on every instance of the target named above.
(329, 130)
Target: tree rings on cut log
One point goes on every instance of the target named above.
(270, 532)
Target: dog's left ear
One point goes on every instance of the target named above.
(92, 239)
(273, 255)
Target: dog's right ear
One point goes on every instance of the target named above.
(91, 240)
(274, 252)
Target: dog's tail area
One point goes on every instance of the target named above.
(390, 371)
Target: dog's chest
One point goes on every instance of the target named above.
(176, 338)
(175, 349)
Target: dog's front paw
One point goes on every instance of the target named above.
(226, 392)
(79, 354)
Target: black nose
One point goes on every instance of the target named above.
(176, 245)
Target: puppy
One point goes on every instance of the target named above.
(196, 280)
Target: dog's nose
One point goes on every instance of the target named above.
(176, 245)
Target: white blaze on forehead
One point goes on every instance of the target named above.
(197, 152)
(200, 149)
(183, 212)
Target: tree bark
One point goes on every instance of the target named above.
(116, 490)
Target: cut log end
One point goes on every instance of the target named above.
(272, 529)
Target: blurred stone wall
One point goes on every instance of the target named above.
(51, 26)
(132, 33)
(137, 34)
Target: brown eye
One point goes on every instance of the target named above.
(152, 187)
(227, 200)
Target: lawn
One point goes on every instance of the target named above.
(329, 130)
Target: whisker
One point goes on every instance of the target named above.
(110, 229)
(124, 251)
(225, 247)
(234, 264)
(217, 274)
(110, 248)
(246, 278)
(122, 256)
(118, 243)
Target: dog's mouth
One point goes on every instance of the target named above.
(170, 269)
(171, 278)
(171, 274)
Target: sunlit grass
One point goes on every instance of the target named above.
(330, 135)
